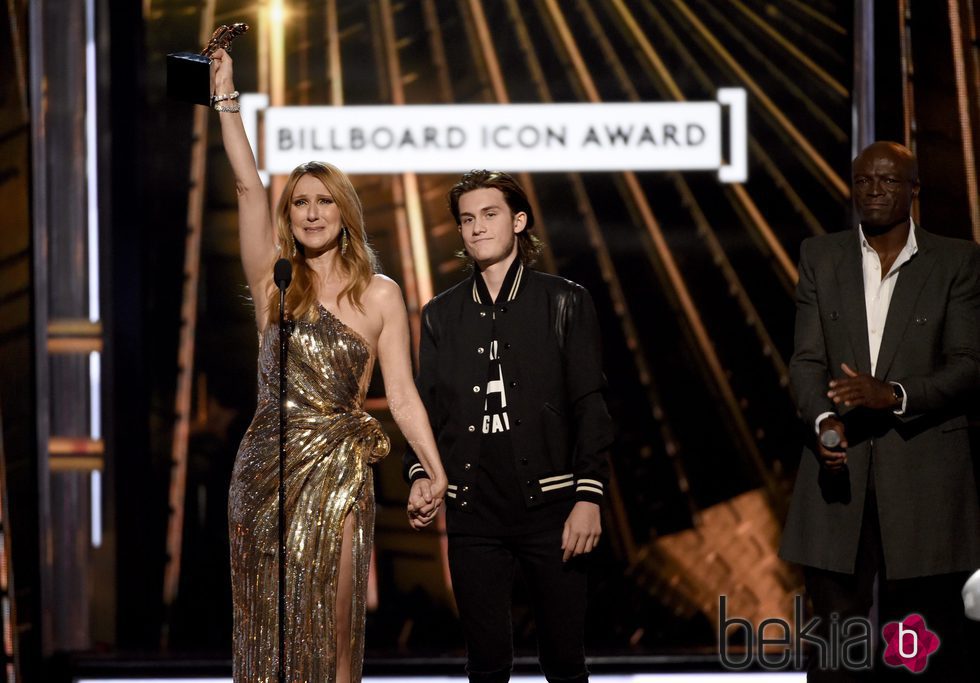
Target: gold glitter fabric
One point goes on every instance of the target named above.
(330, 443)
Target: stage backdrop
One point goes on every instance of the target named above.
(676, 152)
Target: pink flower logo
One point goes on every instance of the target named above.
(909, 643)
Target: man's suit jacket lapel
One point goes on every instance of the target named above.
(911, 279)
(850, 283)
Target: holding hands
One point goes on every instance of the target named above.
(424, 500)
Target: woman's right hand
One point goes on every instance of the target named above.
(422, 506)
(438, 486)
(424, 500)
(222, 81)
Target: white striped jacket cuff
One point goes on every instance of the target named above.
(416, 471)
(593, 486)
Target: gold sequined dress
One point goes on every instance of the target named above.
(330, 442)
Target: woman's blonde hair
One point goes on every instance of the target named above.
(359, 263)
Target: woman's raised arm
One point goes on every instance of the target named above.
(255, 229)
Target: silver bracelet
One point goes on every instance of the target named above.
(229, 108)
(226, 96)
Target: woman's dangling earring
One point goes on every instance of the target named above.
(343, 241)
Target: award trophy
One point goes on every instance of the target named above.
(189, 73)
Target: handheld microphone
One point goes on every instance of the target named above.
(830, 438)
(282, 273)
(971, 596)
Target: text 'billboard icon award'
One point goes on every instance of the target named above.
(189, 73)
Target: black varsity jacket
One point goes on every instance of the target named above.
(548, 339)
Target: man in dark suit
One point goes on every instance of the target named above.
(886, 360)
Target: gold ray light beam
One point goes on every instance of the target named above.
(186, 339)
(704, 229)
(496, 76)
(794, 51)
(668, 266)
(621, 308)
(785, 82)
(829, 175)
(411, 226)
(963, 108)
(817, 16)
(757, 221)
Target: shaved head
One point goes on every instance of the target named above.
(885, 182)
(895, 151)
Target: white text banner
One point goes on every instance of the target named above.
(654, 136)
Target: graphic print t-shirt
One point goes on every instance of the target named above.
(497, 501)
(496, 420)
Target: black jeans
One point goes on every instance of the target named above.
(483, 576)
(936, 598)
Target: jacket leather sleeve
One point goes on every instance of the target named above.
(584, 384)
(808, 369)
(957, 380)
(424, 381)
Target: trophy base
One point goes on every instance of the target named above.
(189, 77)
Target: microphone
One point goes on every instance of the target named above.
(283, 273)
(830, 438)
(971, 596)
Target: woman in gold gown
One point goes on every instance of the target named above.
(344, 316)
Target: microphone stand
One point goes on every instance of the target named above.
(283, 274)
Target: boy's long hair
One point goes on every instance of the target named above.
(528, 246)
